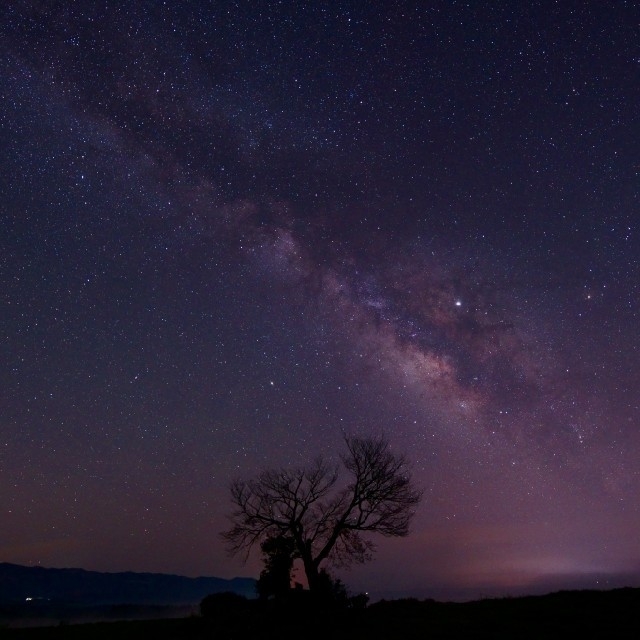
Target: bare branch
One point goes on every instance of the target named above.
(277, 502)
(382, 496)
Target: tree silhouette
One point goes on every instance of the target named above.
(325, 522)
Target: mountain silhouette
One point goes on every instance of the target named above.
(20, 584)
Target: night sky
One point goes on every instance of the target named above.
(231, 232)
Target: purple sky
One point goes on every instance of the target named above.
(231, 232)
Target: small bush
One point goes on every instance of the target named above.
(222, 604)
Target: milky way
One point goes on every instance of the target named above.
(233, 232)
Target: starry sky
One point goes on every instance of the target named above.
(231, 232)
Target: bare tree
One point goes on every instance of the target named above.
(324, 521)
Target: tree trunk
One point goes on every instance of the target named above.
(312, 573)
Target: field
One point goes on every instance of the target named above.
(608, 614)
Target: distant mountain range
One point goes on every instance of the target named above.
(20, 584)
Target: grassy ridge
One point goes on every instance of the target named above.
(572, 614)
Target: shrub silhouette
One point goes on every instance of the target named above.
(218, 605)
(275, 579)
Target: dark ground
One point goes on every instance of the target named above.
(574, 614)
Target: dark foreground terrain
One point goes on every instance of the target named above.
(572, 614)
